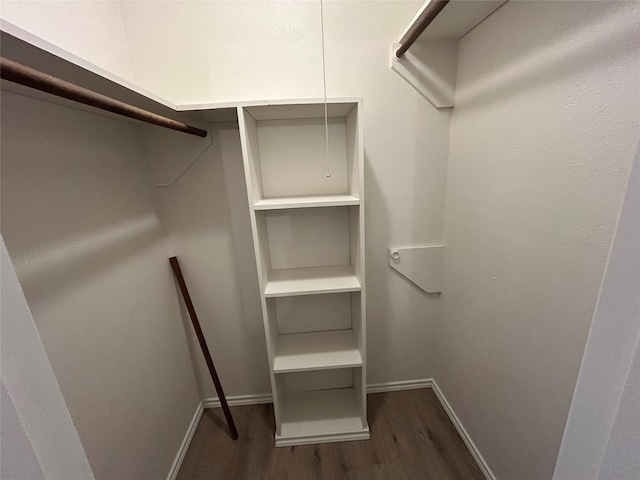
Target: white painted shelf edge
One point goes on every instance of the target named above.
(321, 413)
(260, 103)
(300, 352)
(306, 202)
(311, 281)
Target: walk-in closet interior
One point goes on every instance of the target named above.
(410, 232)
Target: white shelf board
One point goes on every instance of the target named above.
(311, 281)
(306, 202)
(322, 412)
(316, 351)
(266, 103)
(456, 20)
(291, 111)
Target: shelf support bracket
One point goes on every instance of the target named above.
(421, 265)
(430, 67)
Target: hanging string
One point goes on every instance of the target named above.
(324, 85)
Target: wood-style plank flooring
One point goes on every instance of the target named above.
(411, 438)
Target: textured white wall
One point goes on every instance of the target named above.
(224, 51)
(542, 139)
(622, 456)
(91, 30)
(19, 459)
(38, 437)
(602, 437)
(80, 225)
(206, 216)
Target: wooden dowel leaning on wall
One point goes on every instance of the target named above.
(175, 266)
(17, 73)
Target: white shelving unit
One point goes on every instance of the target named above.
(307, 218)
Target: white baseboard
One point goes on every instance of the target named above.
(186, 441)
(372, 388)
(238, 400)
(211, 403)
(397, 386)
(482, 464)
(234, 401)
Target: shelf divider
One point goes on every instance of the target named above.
(307, 201)
(311, 281)
(299, 352)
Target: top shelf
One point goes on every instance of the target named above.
(287, 159)
(305, 109)
(307, 201)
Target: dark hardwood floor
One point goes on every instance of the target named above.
(411, 438)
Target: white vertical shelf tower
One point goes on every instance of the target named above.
(307, 218)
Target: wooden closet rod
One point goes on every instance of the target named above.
(429, 14)
(23, 75)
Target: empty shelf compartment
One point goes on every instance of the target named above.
(323, 412)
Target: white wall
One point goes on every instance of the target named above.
(37, 434)
(602, 437)
(80, 225)
(206, 216)
(91, 30)
(19, 459)
(622, 456)
(542, 139)
(225, 51)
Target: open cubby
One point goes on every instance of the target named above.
(315, 332)
(311, 250)
(314, 313)
(290, 162)
(321, 404)
(305, 192)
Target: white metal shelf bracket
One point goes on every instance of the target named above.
(421, 265)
